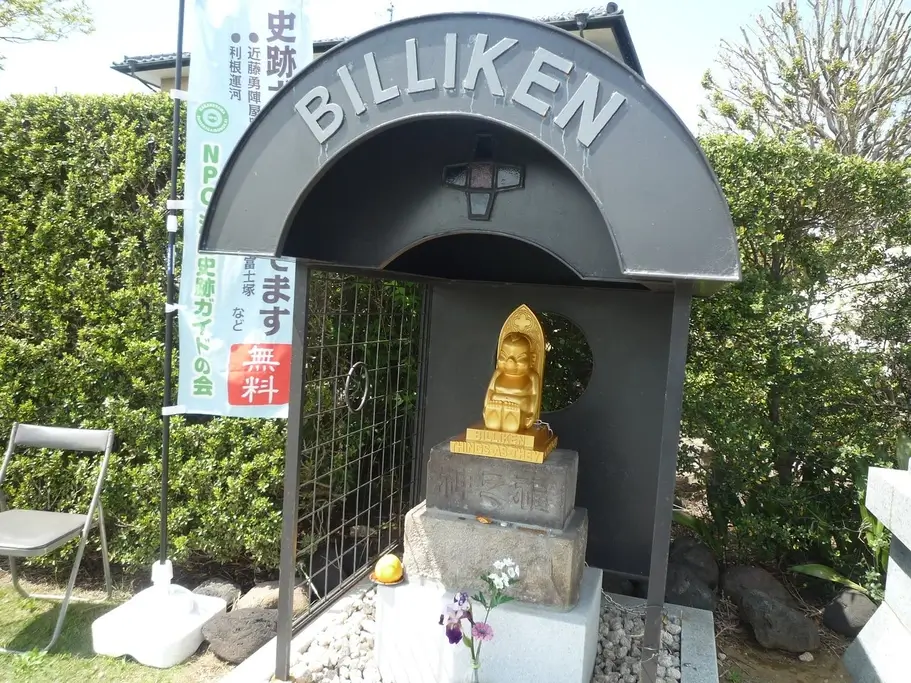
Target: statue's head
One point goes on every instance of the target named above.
(515, 356)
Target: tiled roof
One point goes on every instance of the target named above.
(326, 43)
(592, 12)
(151, 59)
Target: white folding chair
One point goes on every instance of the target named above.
(32, 533)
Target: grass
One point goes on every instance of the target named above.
(28, 625)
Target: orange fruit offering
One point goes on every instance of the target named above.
(388, 569)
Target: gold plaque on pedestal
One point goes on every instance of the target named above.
(532, 445)
(511, 426)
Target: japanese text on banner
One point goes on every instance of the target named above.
(235, 311)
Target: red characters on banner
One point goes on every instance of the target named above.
(259, 374)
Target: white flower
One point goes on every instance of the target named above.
(508, 563)
(499, 564)
(499, 581)
(511, 572)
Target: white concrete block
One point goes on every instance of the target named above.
(898, 582)
(880, 652)
(889, 499)
(878, 497)
(532, 644)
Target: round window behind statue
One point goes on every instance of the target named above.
(567, 364)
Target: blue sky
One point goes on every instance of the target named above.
(676, 40)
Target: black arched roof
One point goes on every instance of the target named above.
(660, 200)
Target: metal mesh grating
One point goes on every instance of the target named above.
(360, 419)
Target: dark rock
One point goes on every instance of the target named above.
(236, 635)
(848, 613)
(697, 556)
(685, 588)
(777, 626)
(220, 588)
(736, 581)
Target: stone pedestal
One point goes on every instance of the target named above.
(457, 550)
(539, 494)
(480, 510)
(531, 644)
(880, 653)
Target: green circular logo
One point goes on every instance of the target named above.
(212, 117)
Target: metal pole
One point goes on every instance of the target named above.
(170, 312)
(667, 472)
(288, 563)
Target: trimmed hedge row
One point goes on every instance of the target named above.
(83, 185)
(791, 413)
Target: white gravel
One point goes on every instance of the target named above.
(343, 653)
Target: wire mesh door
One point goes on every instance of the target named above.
(360, 418)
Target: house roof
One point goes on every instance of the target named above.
(161, 65)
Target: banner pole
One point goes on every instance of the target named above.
(170, 310)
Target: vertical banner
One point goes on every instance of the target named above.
(235, 312)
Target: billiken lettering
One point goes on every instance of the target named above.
(324, 118)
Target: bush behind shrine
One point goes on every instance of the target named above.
(83, 186)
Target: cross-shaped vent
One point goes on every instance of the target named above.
(482, 179)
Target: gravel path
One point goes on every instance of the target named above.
(343, 653)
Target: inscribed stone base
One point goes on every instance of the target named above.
(541, 494)
(531, 644)
(457, 550)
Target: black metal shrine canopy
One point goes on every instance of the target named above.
(665, 217)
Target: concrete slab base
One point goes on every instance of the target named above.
(880, 653)
(698, 653)
(532, 643)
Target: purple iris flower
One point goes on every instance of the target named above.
(452, 620)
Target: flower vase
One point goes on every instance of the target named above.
(474, 675)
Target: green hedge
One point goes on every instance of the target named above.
(791, 412)
(83, 185)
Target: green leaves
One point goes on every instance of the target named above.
(788, 397)
(83, 184)
(821, 571)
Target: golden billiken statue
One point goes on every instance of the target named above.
(512, 403)
(513, 400)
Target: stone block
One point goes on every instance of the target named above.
(898, 582)
(889, 499)
(457, 550)
(531, 644)
(880, 653)
(878, 497)
(540, 494)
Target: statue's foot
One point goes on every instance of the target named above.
(492, 420)
(511, 423)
